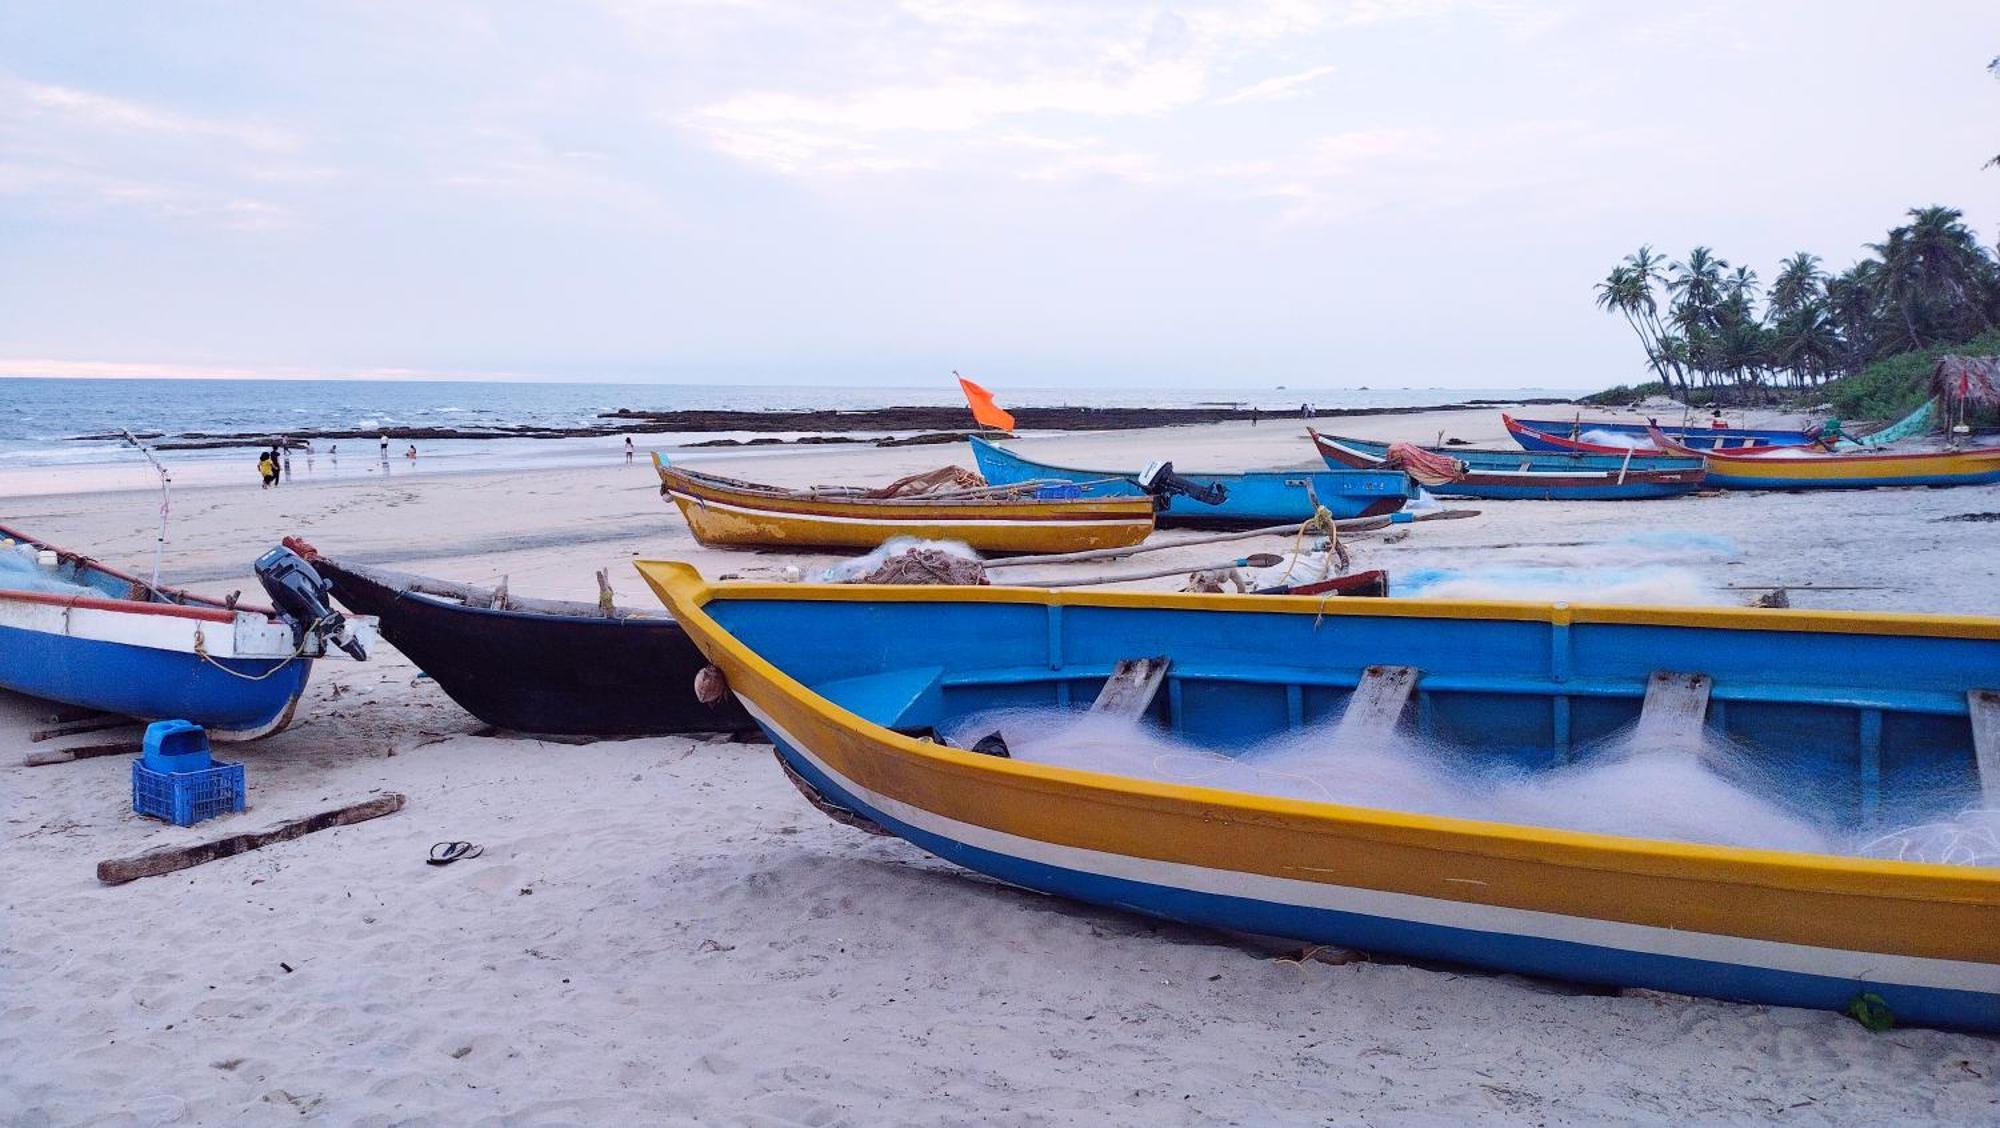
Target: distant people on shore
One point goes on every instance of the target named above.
(266, 470)
(628, 448)
(333, 453)
(277, 465)
(385, 450)
(411, 453)
(1715, 422)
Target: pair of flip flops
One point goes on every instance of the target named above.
(445, 853)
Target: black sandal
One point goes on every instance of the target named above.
(445, 853)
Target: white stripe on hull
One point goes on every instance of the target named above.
(1917, 971)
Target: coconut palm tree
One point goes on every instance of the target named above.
(1800, 281)
(1697, 286)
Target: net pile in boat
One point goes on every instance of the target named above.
(1428, 467)
(928, 566)
(945, 479)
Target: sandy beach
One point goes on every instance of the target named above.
(662, 931)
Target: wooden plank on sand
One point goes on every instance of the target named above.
(167, 859)
(49, 756)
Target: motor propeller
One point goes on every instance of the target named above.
(299, 593)
(1159, 479)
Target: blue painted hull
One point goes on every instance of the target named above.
(1496, 951)
(1257, 497)
(1535, 476)
(1700, 438)
(149, 683)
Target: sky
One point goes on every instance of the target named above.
(1357, 192)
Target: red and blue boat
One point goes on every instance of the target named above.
(1572, 435)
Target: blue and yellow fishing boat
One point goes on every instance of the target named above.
(1801, 469)
(1860, 708)
(1251, 497)
(1518, 475)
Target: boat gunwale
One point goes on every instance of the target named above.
(1195, 475)
(1579, 850)
(1769, 457)
(1575, 478)
(1121, 509)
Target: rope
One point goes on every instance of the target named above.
(201, 652)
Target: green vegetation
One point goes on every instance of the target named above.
(1893, 387)
(1705, 325)
(1860, 336)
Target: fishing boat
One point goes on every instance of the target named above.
(536, 665)
(730, 513)
(75, 631)
(1571, 434)
(1796, 469)
(1862, 707)
(1500, 474)
(1254, 497)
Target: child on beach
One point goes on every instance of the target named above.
(264, 469)
(411, 453)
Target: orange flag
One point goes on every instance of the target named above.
(988, 413)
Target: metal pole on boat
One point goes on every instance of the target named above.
(166, 503)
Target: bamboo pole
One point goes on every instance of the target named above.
(1350, 525)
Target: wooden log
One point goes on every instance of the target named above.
(167, 859)
(88, 724)
(49, 756)
(1131, 688)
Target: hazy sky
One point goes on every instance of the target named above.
(1376, 192)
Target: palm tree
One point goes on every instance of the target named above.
(1628, 290)
(1696, 285)
(1800, 281)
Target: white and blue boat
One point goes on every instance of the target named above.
(1251, 497)
(77, 632)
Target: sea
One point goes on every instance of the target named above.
(43, 421)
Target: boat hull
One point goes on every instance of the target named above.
(1779, 470)
(544, 673)
(1548, 476)
(1792, 929)
(720, 514)
(139, 663)
(1259, 497)
(1562, 434)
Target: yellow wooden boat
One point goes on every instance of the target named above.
(1865, 711)
(729, 513)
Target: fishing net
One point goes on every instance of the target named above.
(945, 479)
(1427, 467)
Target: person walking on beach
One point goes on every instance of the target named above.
(411, 453)
(385, 450)
(628, 448)
(277, 466)
(265, 470)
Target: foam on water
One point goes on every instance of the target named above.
(1711, 793)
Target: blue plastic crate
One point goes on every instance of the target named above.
(186, 798)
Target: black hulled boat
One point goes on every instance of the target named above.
(537, 665)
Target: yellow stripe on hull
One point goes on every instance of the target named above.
(716, 523)
(1734, 906)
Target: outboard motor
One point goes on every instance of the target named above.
(1159, 479)
(300, 595)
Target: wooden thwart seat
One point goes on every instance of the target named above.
(1676, 708)
(1131, 688)
(1376, 705)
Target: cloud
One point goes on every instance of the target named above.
(1276, 89)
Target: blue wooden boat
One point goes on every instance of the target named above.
(1532, 475)
(1864, 712)
(1253, 497)
(1568, 434)
(77, 632)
